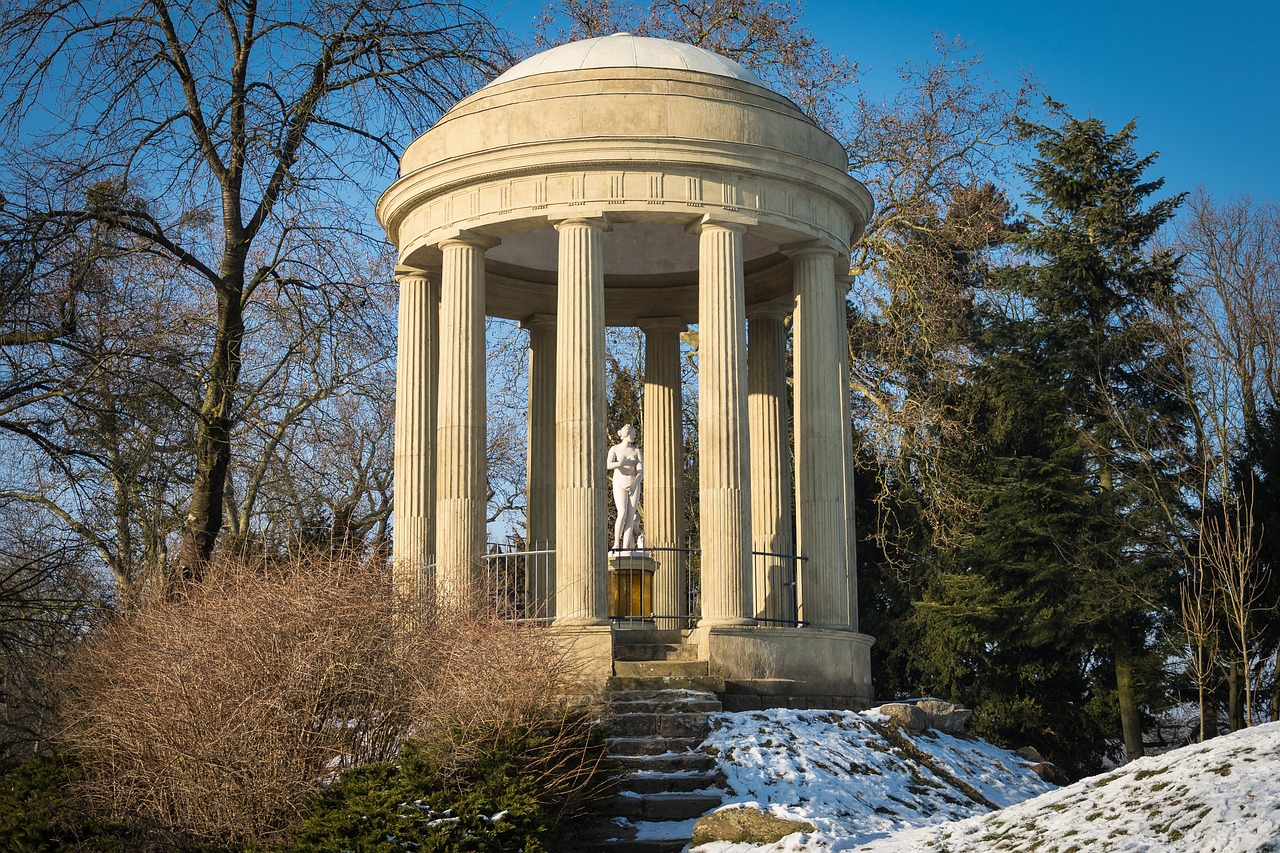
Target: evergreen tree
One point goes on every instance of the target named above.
(1089, 462)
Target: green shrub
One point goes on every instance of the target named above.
(406, 805)
(39, 809)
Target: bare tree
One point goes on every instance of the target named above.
(263, 120)
(1230, 548)
(96, 418)
(48, 597)
(1197, 619)
(1232, 263)
(932, 154)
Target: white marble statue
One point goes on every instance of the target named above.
(627, 464)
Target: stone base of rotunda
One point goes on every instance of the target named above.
(788, 667)
(588, 652)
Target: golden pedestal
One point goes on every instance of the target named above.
(631, 585)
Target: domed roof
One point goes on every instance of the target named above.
(623, 50)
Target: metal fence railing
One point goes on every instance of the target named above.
(520, 584)
(776, 589)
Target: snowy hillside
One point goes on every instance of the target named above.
(855, 778)
(867, 787)
(1222, 796)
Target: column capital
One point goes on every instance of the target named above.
(465, 237)
(722, 219)
(593, 218)
(538, 322)
(811, 247)
(775, 310)
(404, 273)
(662, 324)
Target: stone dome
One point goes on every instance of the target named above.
(652, 134)
(623, 50)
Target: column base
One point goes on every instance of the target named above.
(736, 622)
(579, 622)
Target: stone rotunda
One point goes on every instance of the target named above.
(630, 181)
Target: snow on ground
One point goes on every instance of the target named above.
(1221, 796)
(855, 778)
(870, 788)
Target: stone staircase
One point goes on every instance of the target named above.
(651, 659)
(657, 709)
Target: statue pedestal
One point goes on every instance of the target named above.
(631, 585)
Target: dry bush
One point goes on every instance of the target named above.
(498, 688)
(218, 715)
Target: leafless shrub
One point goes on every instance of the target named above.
(494, 686)
(1230, 548)
(216, 715)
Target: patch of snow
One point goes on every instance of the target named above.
(650, 830)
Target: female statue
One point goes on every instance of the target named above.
(627, 464)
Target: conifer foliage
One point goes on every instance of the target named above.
(1045, 612)
(1095, 288)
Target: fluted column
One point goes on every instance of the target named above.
(417, 355)
(773, 576)
(581, 587)
(724, 484)
(663, 466)
(540, 488)
(821, 517)
(851, 532)
(460, 424)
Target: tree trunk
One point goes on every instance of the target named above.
(1235, 707)
(1275, 688)
(213, 438)
(1126, 694)
(1204, 711)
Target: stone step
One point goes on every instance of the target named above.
(671, 762)
(663, 807)
(637, 845)
(667, 783)
(664, 706)
(623, 836)
(656, 724)
(653, 745)
(664, 683)
(626, 634)
(666, 696)
(655, 651)
(660, 668)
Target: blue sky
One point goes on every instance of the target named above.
(1202, 79)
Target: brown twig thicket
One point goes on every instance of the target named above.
(217, 715)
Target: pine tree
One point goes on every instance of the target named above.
(1111, 424)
